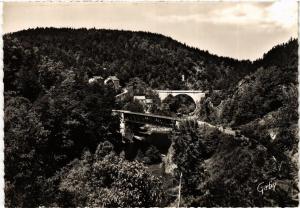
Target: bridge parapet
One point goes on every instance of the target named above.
(196, 95)
(180, 91)
(143, 118)
(146, 118)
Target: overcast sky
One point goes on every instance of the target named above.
(240, 30)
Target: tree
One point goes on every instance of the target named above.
(134, 106)
(220, 169)
(110, 181)
(25, 141)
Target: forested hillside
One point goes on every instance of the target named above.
(273, 85)
(219, 169)
(63, 146)
(157, 60)
(263, 106)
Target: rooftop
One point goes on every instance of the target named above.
(113, 78)
(142, 97)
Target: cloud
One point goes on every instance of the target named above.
(278, 14)
(283, 13)
(237, 29)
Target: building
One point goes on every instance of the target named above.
(146, 102)
(96, 79)
(113, 81)
(149, 101)
(142, 98)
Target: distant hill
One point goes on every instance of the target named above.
(271, 86)
(282, 55)
(158, 60)
(264, 104)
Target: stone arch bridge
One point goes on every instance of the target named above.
(196, 95)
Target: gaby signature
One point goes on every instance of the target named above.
(266, 186)
(271, 185)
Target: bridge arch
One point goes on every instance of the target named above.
(196, 95)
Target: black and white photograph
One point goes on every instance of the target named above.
(150, 103)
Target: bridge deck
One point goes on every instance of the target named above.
(180, 91)
(148, 115)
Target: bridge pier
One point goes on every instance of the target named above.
(124, 129)
(142, 118)
(122, 125)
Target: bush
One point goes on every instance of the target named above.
(110, 181)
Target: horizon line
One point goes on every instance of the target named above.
(142, 31)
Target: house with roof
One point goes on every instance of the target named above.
(96, 79)
(145, 101)
(112, 81)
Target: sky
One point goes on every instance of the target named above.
(242, 30)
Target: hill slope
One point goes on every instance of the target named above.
(271, 86)
(158, 60)
(226, 170)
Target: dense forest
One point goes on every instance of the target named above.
(271, 86)
(157, 60)
(63, 146)
(263, 106)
